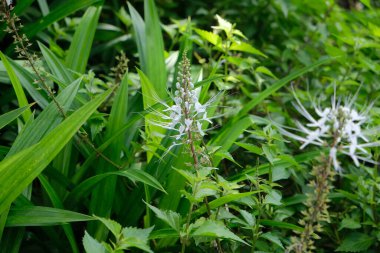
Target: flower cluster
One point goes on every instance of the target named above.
(339, 127)
(187, 115)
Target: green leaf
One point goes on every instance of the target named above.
(55, 65)
(21, 97)
(356, 242)
(349, 223)
(61, 10)
(42, 216)
(136, 237)
(213, 38)
(113, 226)
(173, 219)
(57, 203)
(48, 119)
(250, 147)
(272, 238)
(8, 117)
(140, 37)
(27, 79)
(150, 98)
(229, 133)
(164, 233)
(80, 47)
(274, 198)
(154, 50)
(223, 200)
(91, 245)
(265, 71)
(85, 187)
(103, 196)
(367, 3)
(245, 47)
(248, 217)
(223, 25)
(19, 170)
(280, 224)
(216, 229)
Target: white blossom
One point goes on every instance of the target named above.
(186, 115)
(338, 127)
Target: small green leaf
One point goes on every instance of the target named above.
(280, 224)
(245, 47)
(163, 233)
(356, 242)
(136, 237)
(250, 147)
(91, 245)
(113, 226)
(173, 219)
(223, 200)
(213, 38)
(265, 71)
(216, 229)
(349, 223)
(248, 217)
(273, 238)
(274, 197)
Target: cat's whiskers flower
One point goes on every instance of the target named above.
(338, 127)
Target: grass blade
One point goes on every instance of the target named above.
(8, 117)
(19, 170)
(21, 97)
(43, 216)
(80, 47)
(59, 12)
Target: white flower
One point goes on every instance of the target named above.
(339, 127)
(187, 114)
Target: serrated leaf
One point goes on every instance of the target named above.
(272, 238)
(274, 197)
(113, 226)
(209, 36)
(356, 242)
(245, 47)
(349, 223)
(223, 25)
(248, 217)
(91, 245)
(216, 229)
(172, 218)
(136, 237)
(223, 200)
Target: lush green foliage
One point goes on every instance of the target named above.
(101, 152)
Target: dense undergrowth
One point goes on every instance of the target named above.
(189, 126)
